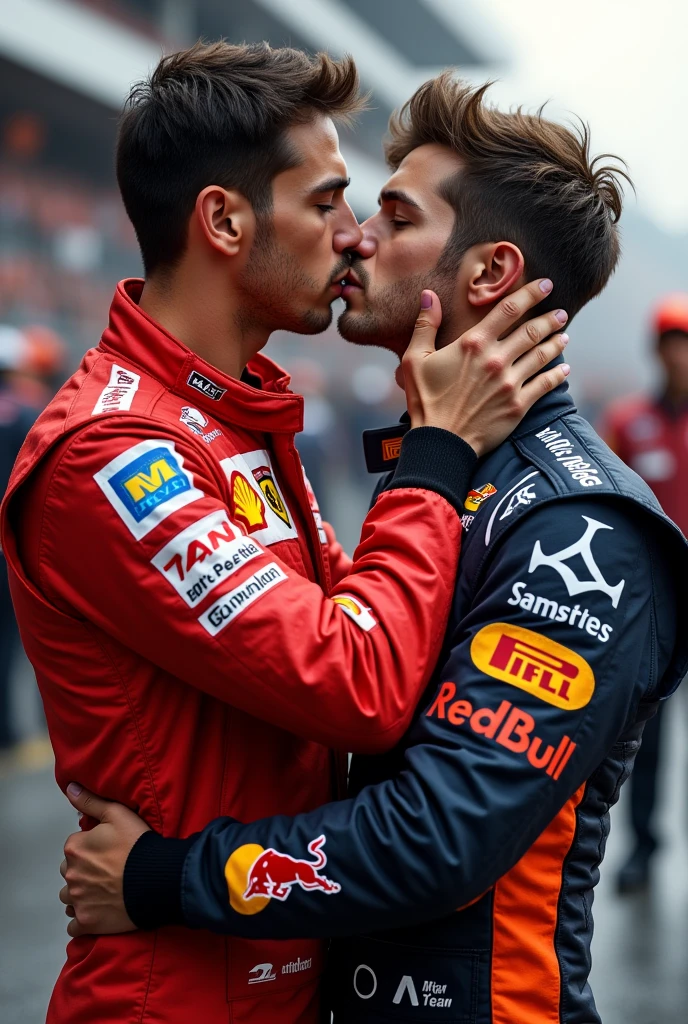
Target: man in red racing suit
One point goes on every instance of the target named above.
(199, 641)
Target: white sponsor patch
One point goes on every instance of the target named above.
(565, 451)
(582, 548)
(234, 602)
(260, 973)
(352, 607)
(572, 615)
(250, 506)
(500, 504)
(197, 422)
(524, 496)
(203, 555)
(119, 392)
(146, 484)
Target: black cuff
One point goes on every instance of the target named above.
(435, 460)
(153, 880)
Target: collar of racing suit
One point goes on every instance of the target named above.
(132, 335)
(381, 445)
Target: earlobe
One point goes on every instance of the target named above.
(498, 270)
(225, 218)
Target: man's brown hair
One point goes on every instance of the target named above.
(526, 180)
(216, 114)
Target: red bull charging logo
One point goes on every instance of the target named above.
(255, 876)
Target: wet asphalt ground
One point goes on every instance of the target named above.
(640, 949)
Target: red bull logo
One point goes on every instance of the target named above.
(271, 874)
(507, 725)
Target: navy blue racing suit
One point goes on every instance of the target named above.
(464, 860)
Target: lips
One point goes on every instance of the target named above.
(352, 285)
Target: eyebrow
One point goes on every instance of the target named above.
(331, 185)
(390, 195)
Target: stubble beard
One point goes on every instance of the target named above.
(388, 319)
(272, 275)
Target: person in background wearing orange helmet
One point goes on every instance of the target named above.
(650, 433)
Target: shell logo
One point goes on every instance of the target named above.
(247, 506)
(346, 602)
(358, 612)
(475, 498)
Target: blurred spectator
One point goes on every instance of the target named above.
(16, 416)
(64, 244)
(650, 433)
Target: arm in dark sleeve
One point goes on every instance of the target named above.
(545, 671)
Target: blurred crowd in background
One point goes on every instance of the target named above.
(65, 241)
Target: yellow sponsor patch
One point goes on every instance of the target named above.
(247, 508)
(533, 663)
(361, 615)
(237, 871)
(264, 479)
(475, 498)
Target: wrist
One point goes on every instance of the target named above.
(436, 460)
(152, 883)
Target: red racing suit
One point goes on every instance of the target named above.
(200, 644)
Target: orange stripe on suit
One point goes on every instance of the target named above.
(526, 979)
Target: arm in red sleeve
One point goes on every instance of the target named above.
(340, 563)
(345, 670)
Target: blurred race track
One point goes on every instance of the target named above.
(640, 947)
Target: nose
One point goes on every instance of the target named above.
(368, 243)
(348, 233)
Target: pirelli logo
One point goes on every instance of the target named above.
(533, 663)
(391, 448)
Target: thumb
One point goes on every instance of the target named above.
(86, 802)
(429, 319)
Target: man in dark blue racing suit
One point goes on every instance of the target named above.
(464, 860)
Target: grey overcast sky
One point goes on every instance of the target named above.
(622, 65)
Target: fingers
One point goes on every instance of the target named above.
(63, 868)
(427, 324)
(87, 803)
(525, 337)
(511, 308)
(70, 911)
(540, 356)
(65, 896)
(543, 383)
(75, 929)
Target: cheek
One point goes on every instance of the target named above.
(408, 252)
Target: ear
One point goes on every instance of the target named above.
(497, 270)
(226, 219)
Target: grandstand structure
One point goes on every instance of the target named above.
(65, 67)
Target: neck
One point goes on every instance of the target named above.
(204, 315)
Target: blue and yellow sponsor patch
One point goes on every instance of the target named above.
(147, 483)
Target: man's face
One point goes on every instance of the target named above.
(300, 250)
(406, 237)
(673, 353)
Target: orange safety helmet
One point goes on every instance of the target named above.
(671, 314)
